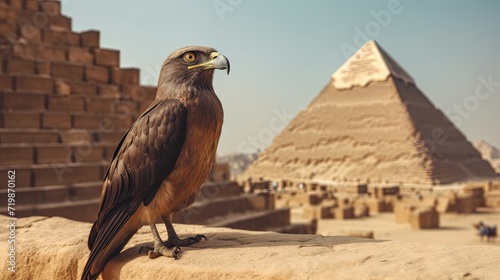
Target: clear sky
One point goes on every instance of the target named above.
(282, 52)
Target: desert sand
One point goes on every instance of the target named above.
(55, 248)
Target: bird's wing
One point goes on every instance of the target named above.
(145, 156)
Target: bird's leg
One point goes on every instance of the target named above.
(159, 247)
(174, 240)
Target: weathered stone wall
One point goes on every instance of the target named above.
(65, 102)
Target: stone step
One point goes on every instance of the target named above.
(84, 137)
(212, 190)
(32, 196)
(23, 102)
(28, 154)
(85, 120)
(83, 210)
(56, 174)
(204, 210)
(261, 220)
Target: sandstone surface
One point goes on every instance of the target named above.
(55, 248)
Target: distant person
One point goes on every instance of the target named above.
(490, 232)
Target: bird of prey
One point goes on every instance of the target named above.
(162, 160)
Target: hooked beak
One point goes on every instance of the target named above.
(217, 61)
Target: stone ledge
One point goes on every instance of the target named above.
(56, 248)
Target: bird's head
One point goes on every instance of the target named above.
(190, 68)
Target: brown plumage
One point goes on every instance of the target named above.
(162, 160)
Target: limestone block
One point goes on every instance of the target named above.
(424, 218)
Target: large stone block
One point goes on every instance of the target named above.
(54, 120)
(107, 57)
(88, 153)
(343, 212)
(100, 105)
(31, 5)
(67, 70)
(492, 199)
(6, 82)
(125, 76)
(80, 55)
(23, 179)
(61, 38)
(83, 88)
(51, 8)
(20, 120)
(403, 212)
(382, 191)
(59, 23)
(21, 66)
(75, 137)
(111, 138)
(87, 121)
(130, 108)
(16, 155)
(375, 206)
(424, 218)
(29, 137)
(66, 103)
(53, 155)
(30, 32)
(42, 68)
(466, 203)
(22, 101)
(96, 74)
(40, 52)
(109, 90)
(34, 84)
(90, 38)
(61, 174)
(139, 93)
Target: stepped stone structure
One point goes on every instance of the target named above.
(65, 102)
(371, 124)
(489, 153)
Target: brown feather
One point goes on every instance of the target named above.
(161, 162)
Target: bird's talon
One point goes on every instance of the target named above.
(175, 252)
(199, 237)
(153, 254)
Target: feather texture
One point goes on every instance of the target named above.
(145, 156)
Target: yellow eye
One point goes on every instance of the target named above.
(189, 57)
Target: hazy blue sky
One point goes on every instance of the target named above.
(282, 53)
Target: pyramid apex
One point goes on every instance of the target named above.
(369, 64)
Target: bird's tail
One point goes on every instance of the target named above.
(106, 242)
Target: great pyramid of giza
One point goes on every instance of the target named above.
(371, 124)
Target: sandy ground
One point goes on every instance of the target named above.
(454, 228)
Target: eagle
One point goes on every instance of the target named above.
(163, 159)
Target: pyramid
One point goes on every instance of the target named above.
(65, 102)
(370, 124)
